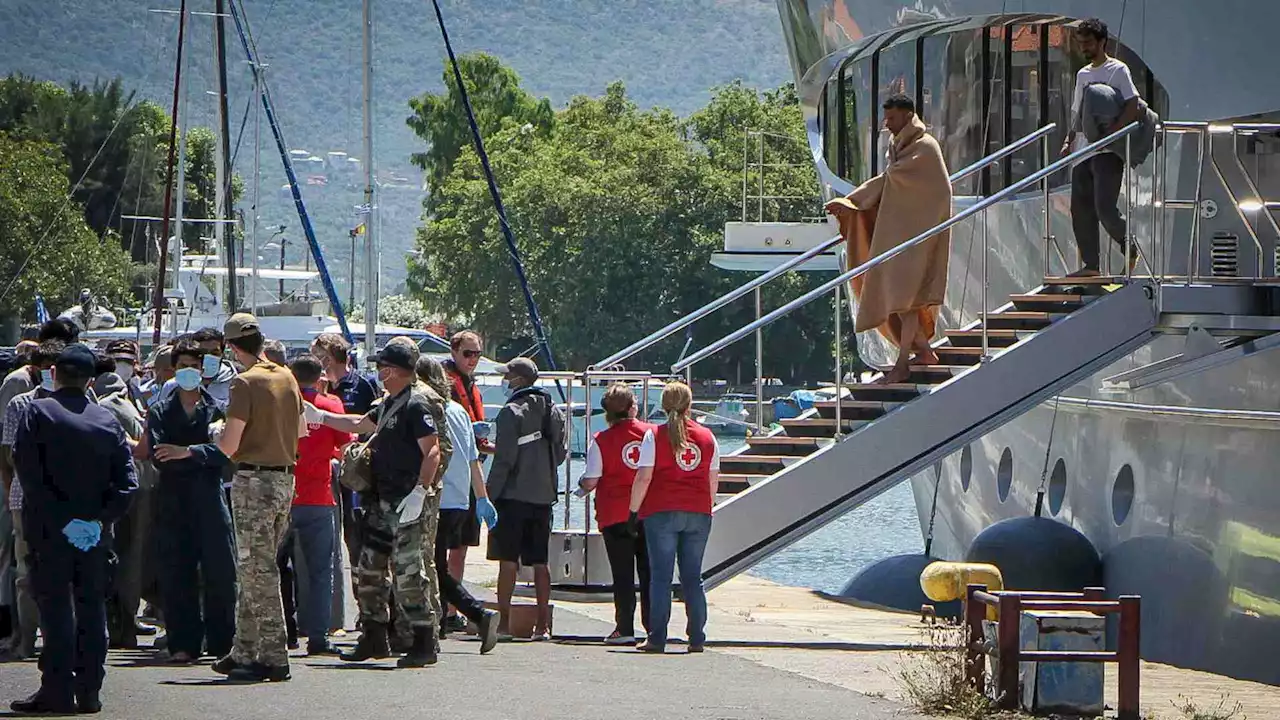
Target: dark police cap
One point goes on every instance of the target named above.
(398, 355)
(77, 359)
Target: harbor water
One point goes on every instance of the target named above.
(827, 559)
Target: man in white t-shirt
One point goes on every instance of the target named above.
(1095, 182)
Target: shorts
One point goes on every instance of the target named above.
(523, 533)
(451, 532)
(470, 530)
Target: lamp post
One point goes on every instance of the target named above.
(283, 241)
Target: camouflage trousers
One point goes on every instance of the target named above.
(402, 555)
(260, 502)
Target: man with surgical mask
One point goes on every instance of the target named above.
(216, 372)
(198, 580)
(41, 377)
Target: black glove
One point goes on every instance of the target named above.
(633, 525)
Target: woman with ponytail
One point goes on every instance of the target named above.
(611, 471)
(674, 490)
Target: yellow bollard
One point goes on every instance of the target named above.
(946, 581)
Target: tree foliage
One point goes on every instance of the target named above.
(616, 211)
(47, 246)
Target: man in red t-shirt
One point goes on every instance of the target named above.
(311, 520)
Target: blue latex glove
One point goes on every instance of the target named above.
(481, 429)
(487, 512)
(84, 535)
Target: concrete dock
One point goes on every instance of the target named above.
(774, 652)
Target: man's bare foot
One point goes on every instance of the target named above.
(900, 373)
(926, 357)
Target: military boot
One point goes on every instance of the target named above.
(372, 645)
(423, 651)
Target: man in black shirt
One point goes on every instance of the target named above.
(400, 511)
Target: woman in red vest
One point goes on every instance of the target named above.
(674, 490)
(612, 461)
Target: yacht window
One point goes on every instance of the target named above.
(1004, 474)
(830, 121)
(956, 114)
(1057, 486)
(1122, 493)
(1024, 115)
(996, 99)
(897, 74)
(856, 84)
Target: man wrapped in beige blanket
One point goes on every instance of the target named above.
(901, 297)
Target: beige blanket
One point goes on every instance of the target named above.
(911, 196)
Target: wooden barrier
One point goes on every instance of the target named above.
(1008, 648)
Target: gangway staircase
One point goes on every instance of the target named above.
(789, 484)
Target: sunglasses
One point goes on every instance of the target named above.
(470, 354)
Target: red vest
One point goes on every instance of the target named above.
(681, 482)
(470, 401)
(619, 455)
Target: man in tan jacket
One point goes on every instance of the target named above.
(901, 296)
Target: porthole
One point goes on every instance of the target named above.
(1122, 493)
(966, 467)
(1057, 486)
(1004, 474)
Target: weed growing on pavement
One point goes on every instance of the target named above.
(932, 679)
(1224, 710)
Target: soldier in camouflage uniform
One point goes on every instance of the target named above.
(409, 455)
(264, 422)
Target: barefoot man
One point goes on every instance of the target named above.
(900, 297)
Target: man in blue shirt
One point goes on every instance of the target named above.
(77, 474)
(193, 520)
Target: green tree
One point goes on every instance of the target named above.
(617, 211)
(48, 249)
(497, 99)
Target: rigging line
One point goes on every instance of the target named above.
(1048, 450)
(535, 318)
(933, 511)
(66, 202)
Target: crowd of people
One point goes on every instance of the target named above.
(205, 495)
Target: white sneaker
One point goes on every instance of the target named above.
(543, 636)
(618, 639)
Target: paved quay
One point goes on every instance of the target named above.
(571, 678)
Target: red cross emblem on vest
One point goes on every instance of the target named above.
(689, 458)
(631, 454)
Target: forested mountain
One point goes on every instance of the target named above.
(667, 52)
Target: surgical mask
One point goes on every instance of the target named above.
(124, 370)
(383, 374)
(507, 390)
(46, 380)
(187, 378)
(211, 365)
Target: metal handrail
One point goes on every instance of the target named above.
(741, 290)
(839, 280)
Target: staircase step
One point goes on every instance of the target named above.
(1016, 320)
(902, 392)
(1086, 281)
(754, 464)
(973, 338)
(819, 427)
(959, 355)
(785, 445)
(935, 374)
(737, 482)
(855, 409)
(1040, 301)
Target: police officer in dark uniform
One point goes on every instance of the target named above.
(77, 476)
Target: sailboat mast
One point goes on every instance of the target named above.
(157, 299)
(370, 226)
(226, 231)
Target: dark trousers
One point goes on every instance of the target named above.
(198, 558)
(453, 592)
(132, 543)
(628, 558)
(285, 555)
(70, 588)
(1095, 189)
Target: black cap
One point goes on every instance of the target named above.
(398, 355)
(78, 360)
